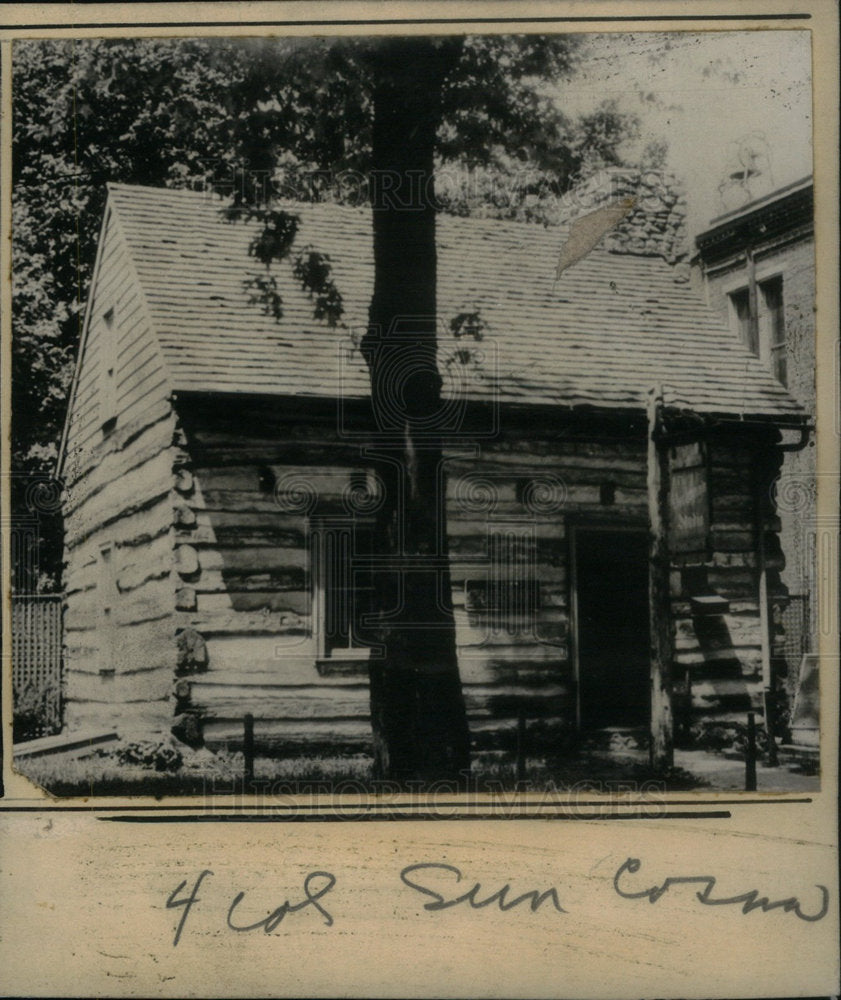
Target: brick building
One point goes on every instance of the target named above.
(756, 267)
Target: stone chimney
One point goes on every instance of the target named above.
(655, 225)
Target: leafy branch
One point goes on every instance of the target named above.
(468, 324)
(262, 291)
(314, 271)
(275, 240)
(273, 243)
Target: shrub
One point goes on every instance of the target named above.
(729, 735)
(36, 713)
(148, 753)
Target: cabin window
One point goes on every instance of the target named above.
(508, 598)
(342, 584)
(108, 378)
(764, 334)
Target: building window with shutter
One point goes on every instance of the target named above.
(761, 326)
(772, 330)
(740, 314)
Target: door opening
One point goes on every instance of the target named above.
(612, 622)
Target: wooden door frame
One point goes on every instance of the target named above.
(575, 528)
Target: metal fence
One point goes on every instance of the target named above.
(36, 659)
(792, 636)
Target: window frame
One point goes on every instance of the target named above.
(506, 597)
(772, 326)
(771, 339)
(322, 528)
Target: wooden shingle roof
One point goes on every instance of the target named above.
(610, 328)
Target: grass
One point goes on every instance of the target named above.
(63, 775)
(581, 770)
(218, 775)
(89, 777)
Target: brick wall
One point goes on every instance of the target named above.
(795, 492)
(796, 263)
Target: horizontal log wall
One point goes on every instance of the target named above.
(212, 541)
(534, 491)
(721, 659)
(120, 662)
(247, 585)
(243, 564)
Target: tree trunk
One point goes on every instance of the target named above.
(417, 707)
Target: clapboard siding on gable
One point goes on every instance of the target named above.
(198, 519)
(137, 355)
(120, 640)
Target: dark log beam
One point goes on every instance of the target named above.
(661, 750)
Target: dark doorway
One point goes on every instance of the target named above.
(611, 569)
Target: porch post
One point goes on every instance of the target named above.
(661, 750)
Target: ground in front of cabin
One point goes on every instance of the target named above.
(605, 762)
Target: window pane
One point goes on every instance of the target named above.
(336, 570)
(778, 363)
(740, 305)
(345, 585)
(361, 585)
(772, 325)
(508, 598)
(772, 298)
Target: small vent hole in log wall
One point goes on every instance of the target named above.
(266, 479)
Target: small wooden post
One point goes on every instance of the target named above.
(248, 750)
(661, 750)
(772, 759)
(750, 755)
(521, 746)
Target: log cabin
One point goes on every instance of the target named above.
(219, 483)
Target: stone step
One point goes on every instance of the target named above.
(63, 743)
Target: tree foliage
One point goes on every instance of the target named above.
(257, 119)
(85, 113)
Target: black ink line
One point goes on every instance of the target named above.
(450, 804)
(406, 817)
(373, 22)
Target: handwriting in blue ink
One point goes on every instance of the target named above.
(750, 900)
(443, 902)
(316, 886)
(273, 919)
